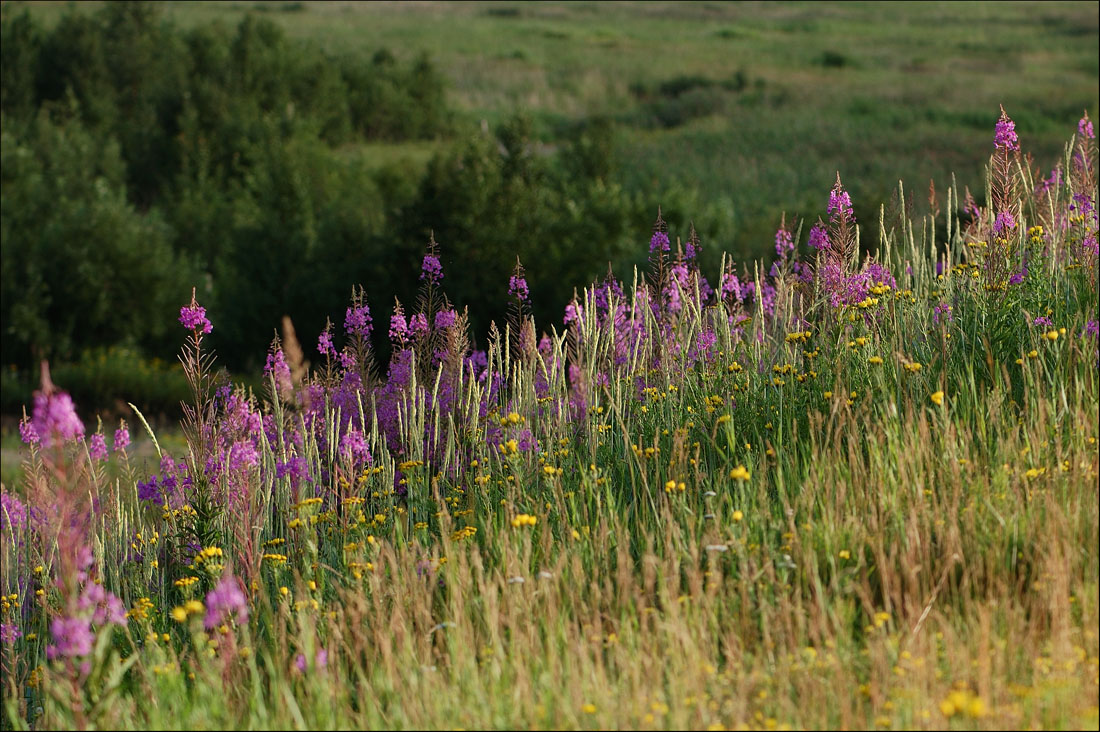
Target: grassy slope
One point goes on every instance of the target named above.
(914, 100)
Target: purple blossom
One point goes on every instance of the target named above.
(659, 242)
(784, 243)
(399, 328)
(225, 603)
(55, 419)
(1092, 328)
(149, 491)
(517, 288)
(193, 317)
(278, 367)
(122, 438)
(27, 432)
(97, 447)
(13, 514)
(1004, 222)
(445, 319)
(72, 638)
(1006, 138)
(9, 633)
(1043, 321)
(840, 203)
(819, 238)
(105, 607)
(573, 313)
(1018, 277)
(357, 321)
(418, 325)
(324, 343)
(732, 287)
(354, 447)
(1084, 128)
(296, 468)
(879, 274)
(431, 269)
(944, 310)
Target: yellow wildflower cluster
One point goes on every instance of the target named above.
(524, 519)
(963, 702)
(466, 532)
(180, 613)
(740, 473)
(141, 609)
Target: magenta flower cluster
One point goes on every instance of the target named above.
(225, 603)
(1005, 138)
(55, 420)
(517, 288)
(193, 317)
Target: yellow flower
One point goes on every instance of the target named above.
(737, 515)
(875, 360)
(937, 398)
(845, 554)
(179, 614)
(1052, 335)
(589, 708)
(524, 519)
(739, 473)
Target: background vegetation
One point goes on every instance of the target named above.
(276, 154)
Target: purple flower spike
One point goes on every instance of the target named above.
(122, 438)
(225, 603)
(193, 317)
(1005, 221)
(819, 239)
(517, 288)
(97, 447)
(659, 242)
(357, 321)
(1084, 128)
(431, 270)
(840, 203)
(1006, 138)
(55, 420)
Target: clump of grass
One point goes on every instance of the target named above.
(848, 491)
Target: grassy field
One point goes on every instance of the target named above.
(852, 493)
(754, 105)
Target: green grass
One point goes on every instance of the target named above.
(876, 91)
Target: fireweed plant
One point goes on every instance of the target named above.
(846, 491)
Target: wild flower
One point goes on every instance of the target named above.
(225, 603)
(193, 317)
(659, 242)
(97, 447)
(445, 318)
(1084, 128)
(517, 288)
(27, 432)
(122, 438)
(1006, 138)
(357, 320)
(430, 269)
(819, 237)
(55, 420)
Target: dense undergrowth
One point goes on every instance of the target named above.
(848, 491)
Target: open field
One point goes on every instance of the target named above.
(762, 103)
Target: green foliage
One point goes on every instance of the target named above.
(81, 267)
(497, 197)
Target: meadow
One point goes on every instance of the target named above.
(834, 489)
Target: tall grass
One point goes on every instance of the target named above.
(853, 491)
